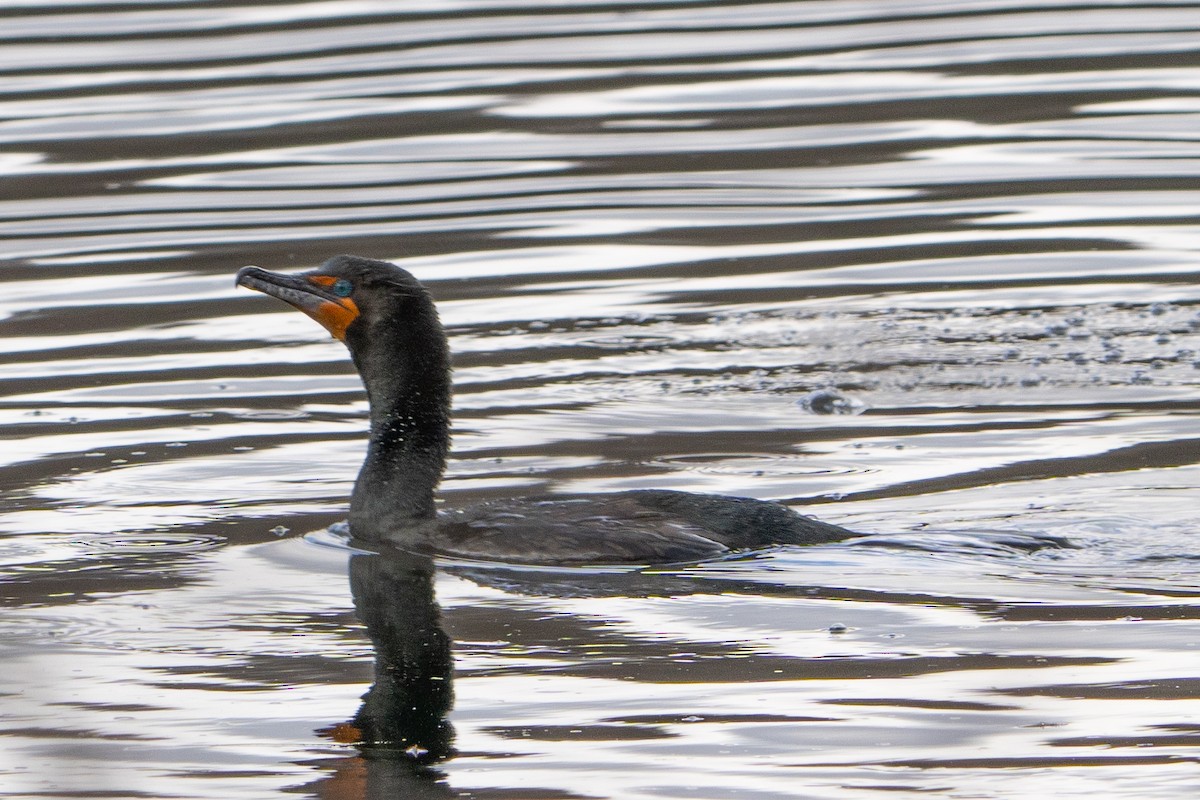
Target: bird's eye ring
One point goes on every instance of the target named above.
(342, 287)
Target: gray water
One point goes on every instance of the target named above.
(665, 238)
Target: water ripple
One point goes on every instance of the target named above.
(661, 235)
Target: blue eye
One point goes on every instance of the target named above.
(342, 287)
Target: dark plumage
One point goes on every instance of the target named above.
(388, 321)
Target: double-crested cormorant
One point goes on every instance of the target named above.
(388, 321)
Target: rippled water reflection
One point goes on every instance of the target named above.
(664, 236)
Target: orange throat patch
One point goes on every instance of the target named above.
(336, 317)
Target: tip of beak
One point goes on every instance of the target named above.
(243, 273)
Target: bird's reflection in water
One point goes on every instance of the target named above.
(404, 712)
(400, 729)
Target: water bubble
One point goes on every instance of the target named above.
(830, 401)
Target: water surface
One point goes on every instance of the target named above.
(666, 238)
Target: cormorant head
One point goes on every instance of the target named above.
(352, 298)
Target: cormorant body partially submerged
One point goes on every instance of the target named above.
(388, 321)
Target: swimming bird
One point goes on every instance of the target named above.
(389, 322)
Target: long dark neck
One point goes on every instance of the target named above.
(405, 366)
